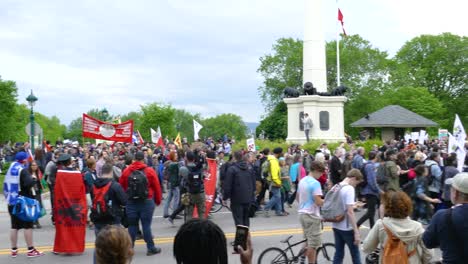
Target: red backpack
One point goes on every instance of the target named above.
(102, 206)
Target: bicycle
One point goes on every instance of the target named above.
(218, 203)
(275, 255)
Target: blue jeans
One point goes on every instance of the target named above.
(342, 238)
(275, 201)
(173, 194)
(141, 211)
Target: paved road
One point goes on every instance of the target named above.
(266, 232)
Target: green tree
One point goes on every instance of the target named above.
(184, 122)
(281, 69)
(275, 124)
(8, 109)
(361, 64)
(218, 126)
(420, 101)
(440, 63)
(154, 115)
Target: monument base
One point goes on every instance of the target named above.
(326, 113)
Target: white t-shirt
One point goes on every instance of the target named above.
(347, 197)
(307, 190)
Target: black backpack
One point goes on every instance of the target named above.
(137, 185)
(195, 180)
(364, 176)
(101, 210)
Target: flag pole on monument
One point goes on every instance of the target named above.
(340, 20)
(196, 128)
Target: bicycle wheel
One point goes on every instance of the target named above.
(272, 255)
(216, 207)
(326, 253)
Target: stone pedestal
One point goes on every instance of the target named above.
(326, 113)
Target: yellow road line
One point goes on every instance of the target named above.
(168, 240)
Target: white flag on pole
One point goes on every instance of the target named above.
(460, 135)
(459, 132)
(196, 128)
(155, 135)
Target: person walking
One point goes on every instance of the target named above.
(371, 190)
(398, 206)
(143, 193)
(346, 231)
(448, 229)
(172, 170)
(239, 187)
(309, 196)
(275, 183)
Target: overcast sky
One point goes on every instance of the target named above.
(199, 55)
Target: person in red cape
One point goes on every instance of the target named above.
(70, 209)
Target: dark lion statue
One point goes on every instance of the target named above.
(290, 92)
(339, 91)
(309, 89)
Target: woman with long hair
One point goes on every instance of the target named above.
(37, 188)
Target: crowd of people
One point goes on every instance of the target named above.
(407, 185)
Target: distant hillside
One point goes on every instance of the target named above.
(251, 126)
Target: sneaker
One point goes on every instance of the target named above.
(14, 253)
(153, 251)
(34, 253)
(266, 213)
(171, 221)
(165, 216)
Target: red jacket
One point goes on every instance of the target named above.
(154, 187)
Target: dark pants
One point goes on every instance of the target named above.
(240, 213)
(177, 211)
(307, 134)
(261, 196)
(342, 238)
(292, 197)
(141, 211)
(52, 195)
(372, 202)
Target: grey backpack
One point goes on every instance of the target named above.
(333, 209)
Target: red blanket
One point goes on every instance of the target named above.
(70, 212)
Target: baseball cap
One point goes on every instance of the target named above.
(459, 182)
(20, 156)
(139, 155)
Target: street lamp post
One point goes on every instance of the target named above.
(32, 101)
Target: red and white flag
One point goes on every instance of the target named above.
(140, 139)
(156, 137)
(340, 18)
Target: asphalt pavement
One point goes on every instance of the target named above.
(266, 232)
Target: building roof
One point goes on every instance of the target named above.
(394, 116)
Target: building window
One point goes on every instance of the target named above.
(324, 120)
(301, 125)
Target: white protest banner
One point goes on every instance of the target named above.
(251, 144)
(415, 136)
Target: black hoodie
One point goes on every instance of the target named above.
(116, 194)
(239, 185)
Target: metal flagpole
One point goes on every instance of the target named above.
(338, 81)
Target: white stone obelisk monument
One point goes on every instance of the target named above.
(326, 112)
(314, 55)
